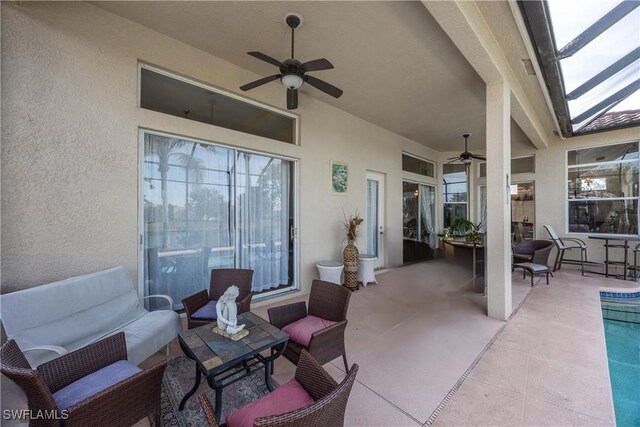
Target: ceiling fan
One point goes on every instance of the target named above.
(465, 157)
(293, 72)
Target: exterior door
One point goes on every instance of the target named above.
(375, 217)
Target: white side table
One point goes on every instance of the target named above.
(366, 264)
(330, 271)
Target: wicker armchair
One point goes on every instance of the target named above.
(330, 399)
(221, 279)
(533, 251)
(327, 301)
(123, 403)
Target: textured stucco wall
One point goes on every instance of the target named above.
(70, 144)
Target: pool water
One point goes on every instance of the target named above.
(623, 350)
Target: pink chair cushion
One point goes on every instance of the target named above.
(301, 330)
(286, 398)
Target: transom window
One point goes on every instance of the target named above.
(415, 164)
(602, 189)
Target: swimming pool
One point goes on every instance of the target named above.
(622, 334)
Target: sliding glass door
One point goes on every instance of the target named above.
(207, 206)
(419, 235)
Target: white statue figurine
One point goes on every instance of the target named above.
(227, 311)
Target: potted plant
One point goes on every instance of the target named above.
(460, 226)
(463, 227)
(474, 236)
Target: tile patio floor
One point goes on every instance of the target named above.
(418, 331)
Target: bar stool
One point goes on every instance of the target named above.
(330, 271)
(366, 265)
(635, 262)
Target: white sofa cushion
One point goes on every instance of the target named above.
(75, 312)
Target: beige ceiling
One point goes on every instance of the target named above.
(397, 68)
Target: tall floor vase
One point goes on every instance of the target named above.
(350, 260)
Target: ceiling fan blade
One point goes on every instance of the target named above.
(317, 65)
(260, 82)
(323, 86)
(454, 160)
(292, 99)
(267, 58)
(478, 157)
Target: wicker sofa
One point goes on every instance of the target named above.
(50, 320)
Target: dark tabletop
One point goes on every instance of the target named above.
(215, 352)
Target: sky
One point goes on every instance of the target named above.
(570, 18)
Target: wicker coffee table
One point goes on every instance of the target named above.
(223, 361)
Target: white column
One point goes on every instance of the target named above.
(498, 200)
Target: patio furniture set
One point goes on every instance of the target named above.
(98, 381)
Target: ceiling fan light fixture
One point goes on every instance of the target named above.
(466, 161)
(291, 81)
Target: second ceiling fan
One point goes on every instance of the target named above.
(293, 73)
(466, 157)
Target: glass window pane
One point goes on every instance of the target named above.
(606, 181)
(186, 219)
(607, 153)
(162, 93)
(372, 217)
(603, 216)
(263, 195)
(523, 211)
(523, 165)
(454, 210)
(419, 166)
(410, 210)
(483, 170)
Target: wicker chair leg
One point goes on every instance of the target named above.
(154, 418)
(346, 365)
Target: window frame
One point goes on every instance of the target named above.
(296, 207)
(443, 185)
(434, 164)
(435, 213)
(567, 200)
(207, 86)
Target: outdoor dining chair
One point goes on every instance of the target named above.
(200, 307)
(320, 331)
(566, 244)
(311, 399)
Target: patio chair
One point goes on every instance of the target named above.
(311, 399)
(532, 256)
(89, 386)
(533, 251)
(320, 331)
(566, 244)
(201, 306)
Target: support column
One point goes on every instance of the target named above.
(498, 200)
